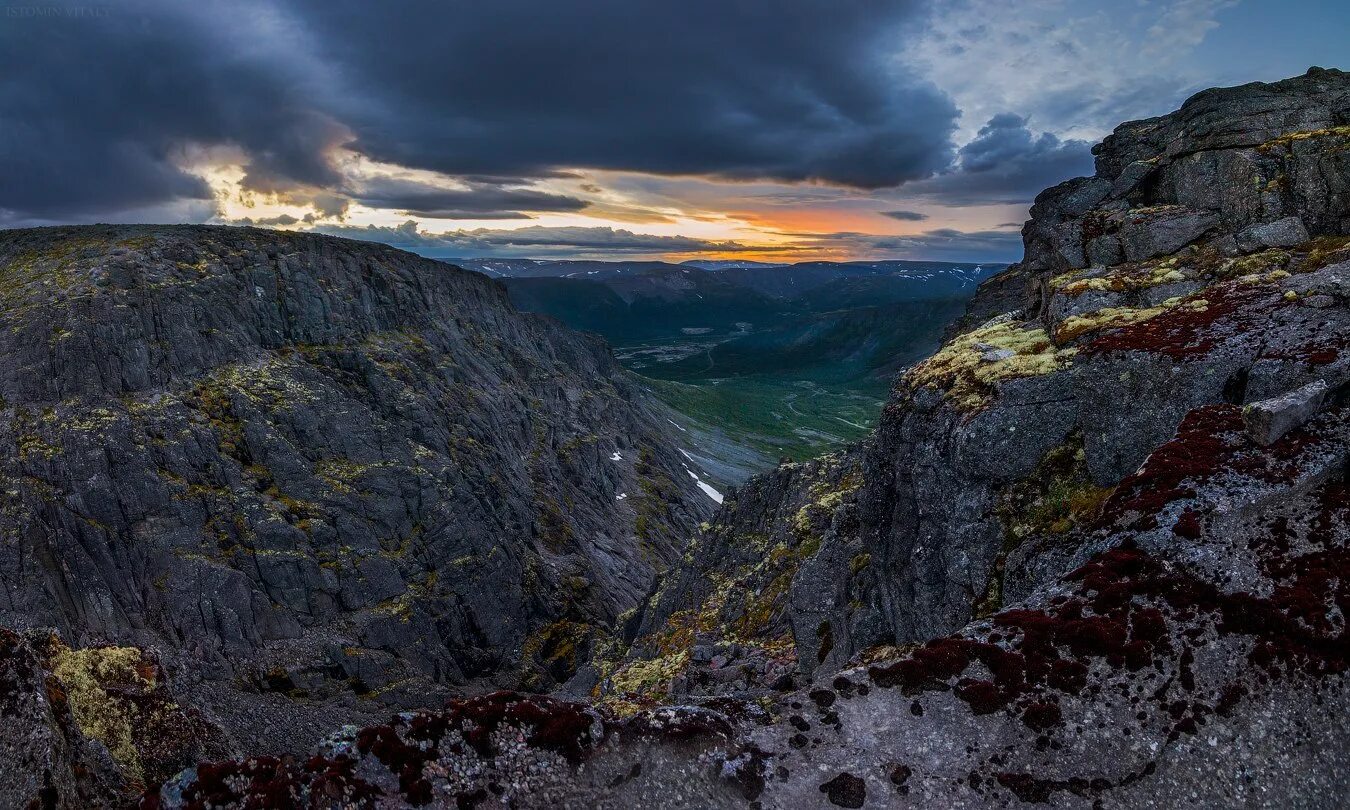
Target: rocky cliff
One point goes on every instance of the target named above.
(315, 475)
(1096, 554)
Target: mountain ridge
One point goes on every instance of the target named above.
(1099, 543)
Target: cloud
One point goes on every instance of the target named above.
(905, 216)
(269, 222)
(1183, 25)
(1007, 163)
(475, 201)
(531, 241)
(940, 244)
(1076, 69)
(744, 90)
(100, 108)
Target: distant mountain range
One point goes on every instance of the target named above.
(638, 301)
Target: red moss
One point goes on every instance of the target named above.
(983, 696)
(1042, 716)
(1188, 526)
(1119, 614)
(1183, 331)
(1205, 440)
(260, 782)
(1316, 353)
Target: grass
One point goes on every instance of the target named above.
(781, 416)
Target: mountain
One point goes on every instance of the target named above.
(557, 268)
(634, 304)
(728, 264)
(319, 477)
(1095, 553)
(763, 362)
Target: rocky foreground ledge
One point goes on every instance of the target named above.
(1097, 554)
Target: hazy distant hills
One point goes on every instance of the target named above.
(635, 301)
(774, 279)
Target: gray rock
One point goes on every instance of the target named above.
(1270, 419)
(1131, 176)
(1282, 233)
(249, 449)
(1146, 235)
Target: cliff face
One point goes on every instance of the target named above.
(1098, 540)
(1205, 264)
(309, 467)
(1096, 553)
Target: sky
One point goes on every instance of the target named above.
(779, 130)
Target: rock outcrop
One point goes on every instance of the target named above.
(992, 450)
(1096, 553)
(316, 472)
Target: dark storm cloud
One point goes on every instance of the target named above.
(95, 108)
(98, 107)
(477, 201)
(1007, 163)
(797, 90)
(905, 216)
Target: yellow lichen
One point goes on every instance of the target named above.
(968, 367)
(1285, 141)
(1076, 326)
(85, 676)
(1125, 279)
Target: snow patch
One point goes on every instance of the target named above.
(616, 456)
(703, 485)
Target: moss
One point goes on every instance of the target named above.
(643, 678)
(99, 683)
(1058, 496)
(1325, 250)
(1286, 141)
(1075, 326)
(658, 492)
(556, 648)
(967, 379)
(552, 526)
(826, 496)
(1125, 278)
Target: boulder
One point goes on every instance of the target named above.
(1160, 232)
(1266, 421)
(1281, 233)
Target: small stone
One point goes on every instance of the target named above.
(993, 354)
(845, 790)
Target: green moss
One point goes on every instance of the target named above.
(1058, 496)
(1326, 250)
(555, 648)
